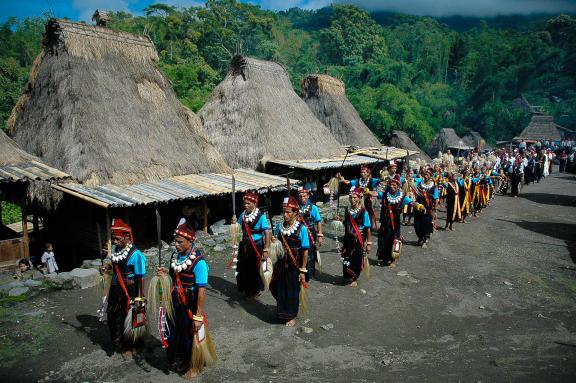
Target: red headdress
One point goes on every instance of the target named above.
(356, 191)
(303, 190)
(120, 228)
(251, 196)
(396, 179)
(290, 203)
(186, 231)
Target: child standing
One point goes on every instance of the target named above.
(49, 260)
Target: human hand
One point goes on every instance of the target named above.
(160, 271)
(302, 278)
(320, 241)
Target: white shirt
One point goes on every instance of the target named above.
(50, 260)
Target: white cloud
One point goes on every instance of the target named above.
(86, 8)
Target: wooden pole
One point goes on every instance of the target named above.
(205, 223)
(108, 233)
(25, 238)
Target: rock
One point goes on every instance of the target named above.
(488, 295)
(363, 291)
(307, 330)
(85, 278)
(219, 248)
(200, 234)
(219, 227)
(327, 327)
(60, 281)
(36, 313)
(209, 242)
(481, 307)
(507, 283)
(32, 283)
(36, 274)
(402, 273)
(9, 286)
(165, 246)
(17, 291)
(220, 239)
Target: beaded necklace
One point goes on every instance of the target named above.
(185, 263)
(122, 254)
(288, 231)
(252, 216)
(394, 198)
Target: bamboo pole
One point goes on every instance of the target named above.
(25, 238)
(108, 233)
(205, 223)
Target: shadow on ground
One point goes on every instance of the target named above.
(550, 199)
(562, 231)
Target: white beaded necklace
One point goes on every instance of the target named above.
(288, 231)
(182, 266)
(306, 209)
(122, 254)
(427, 186)
(355, 211)
(363, 183)
(251, 216)
(394, 199)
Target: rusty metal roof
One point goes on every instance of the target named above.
(190, 186)
(30, 171)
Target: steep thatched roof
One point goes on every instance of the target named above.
(400, 139)
(542, 127)
(326, 97)
(255, 114)
(474, 139)
(446, 139)
(10, 152)
(97, 107)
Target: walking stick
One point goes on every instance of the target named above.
(234, 228)
(106, 279)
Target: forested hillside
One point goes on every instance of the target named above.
(412, 73)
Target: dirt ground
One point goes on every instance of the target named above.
(493, 301)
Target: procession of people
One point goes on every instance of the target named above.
(462, 186)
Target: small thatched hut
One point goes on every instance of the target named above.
(474, 139)
(18, 172)
(447, 139)
(97, 107)
(326, 97)
(543, 128)
(254, 114)
(400, 139)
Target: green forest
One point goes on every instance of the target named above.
(417, 74)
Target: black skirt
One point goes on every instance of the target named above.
(248, 268)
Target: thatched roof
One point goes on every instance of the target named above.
(400, 139)
(97, 107)
(326, 97)
(11, 153)
(474, 139)
(254, 114)
(542, 127)
(446, 139)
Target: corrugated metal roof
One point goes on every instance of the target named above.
(358, 157)
(190, 186)
(30, 171)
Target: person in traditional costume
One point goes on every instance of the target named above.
(187, 330)
(289, 274)
(126, 303)
(357, 237)
(426, 195)
(452, 201)
(254, 246)
(465, 194)
(393, 200)
(368, 185)
(310, 216)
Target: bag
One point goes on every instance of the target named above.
(397, 249)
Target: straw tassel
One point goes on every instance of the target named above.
(159, 296)
(367, 266)
(276, 251)
(203, 353)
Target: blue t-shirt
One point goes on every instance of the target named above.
(262, 225)
(138, 260)
(365, 222)
(314, 212)
(200, 270)
(303, 236)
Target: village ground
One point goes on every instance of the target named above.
(493, 301)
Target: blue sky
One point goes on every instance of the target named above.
(83, 9)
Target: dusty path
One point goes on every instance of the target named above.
(493, 301)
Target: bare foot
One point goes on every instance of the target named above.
(127, 353)
(190, 374)
(354, 284)
(291, 323)
(393, 264)
(450, 228)
(424, 245)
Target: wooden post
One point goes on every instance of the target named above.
(108, 233)
(25, 239)
(205, 223)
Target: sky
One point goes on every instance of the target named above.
(83, 9)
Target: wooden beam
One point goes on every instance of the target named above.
(108, 233)
(205, 223)
(25, 238)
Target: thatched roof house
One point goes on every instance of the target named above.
(326, 97)
(254, 114)
(444, 140)
(474, 139)
(97, 107)
(543, 128)
(400, 139)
